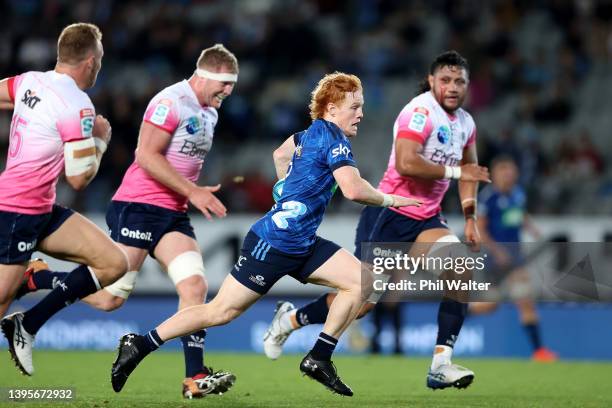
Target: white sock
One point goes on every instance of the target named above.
(285, 322)
(442, 355)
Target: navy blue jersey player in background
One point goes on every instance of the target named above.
(284, 241)
(501, 219)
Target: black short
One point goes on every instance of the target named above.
(143, 225)
(21, 233)
(379, 224)
(260, 266)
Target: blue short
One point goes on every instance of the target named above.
(21, 233)
(143, 225)
(379, 224)
(260, 266)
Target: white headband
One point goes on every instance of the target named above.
(221, 77)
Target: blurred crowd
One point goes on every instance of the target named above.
(529, 60)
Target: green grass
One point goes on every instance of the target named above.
(377, 382)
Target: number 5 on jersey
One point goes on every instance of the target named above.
(291, 209)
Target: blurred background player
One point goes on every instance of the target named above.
(434, 141)
(501, 218)
(284, 242)
(148, 214)
(54, 130)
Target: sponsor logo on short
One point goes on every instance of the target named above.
(144, 236)
(257, 279)
(23, 246)
(342, 149)
(30, 99)
(239, 262)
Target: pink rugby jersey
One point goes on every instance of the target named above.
(50, 110)
(443, 137)
(177, 111)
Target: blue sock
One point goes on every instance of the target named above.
(324, 347)
(193, 348)
(314, 312)
(533, 332)
(451, 315)
(48, 279)
(149, 342)
(78, 284)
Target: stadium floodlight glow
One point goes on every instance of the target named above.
(217, 76)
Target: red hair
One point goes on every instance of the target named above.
(332, 88)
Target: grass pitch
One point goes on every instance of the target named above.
(377, 382)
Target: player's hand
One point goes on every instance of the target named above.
(472, 235)
(102, 129)
(474, 172)
(401, 201)
(204, 200)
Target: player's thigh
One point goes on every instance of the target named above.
(80, 240)
(341, 271)
(233, 298)
(136, 256)
(426, 239)
(173, 244)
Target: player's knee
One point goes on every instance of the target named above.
(187, 273)
(228, 314)
(110, 303)
(116, 265)
(192, 290)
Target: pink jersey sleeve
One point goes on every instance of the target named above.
(13, 84)
(76, 124)
(414, 124)
(471, 139)
(163, 114)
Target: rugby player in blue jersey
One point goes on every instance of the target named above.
(284, 242)
(502, 217)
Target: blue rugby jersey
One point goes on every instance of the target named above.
(505, 213)
(291, 225)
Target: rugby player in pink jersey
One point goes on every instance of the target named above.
(433, 142)
(54, 130)
(148, 213)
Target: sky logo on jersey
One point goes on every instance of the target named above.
(30, 99)
(342, 149)
(443, 134)
(193, 125)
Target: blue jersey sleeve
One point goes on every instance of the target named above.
(339, 153)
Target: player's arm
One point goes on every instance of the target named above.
(150, 156)
(357, 189)
(410, 162)
(6, 98)
(468, 190)
(82, 157)
(282, 157)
